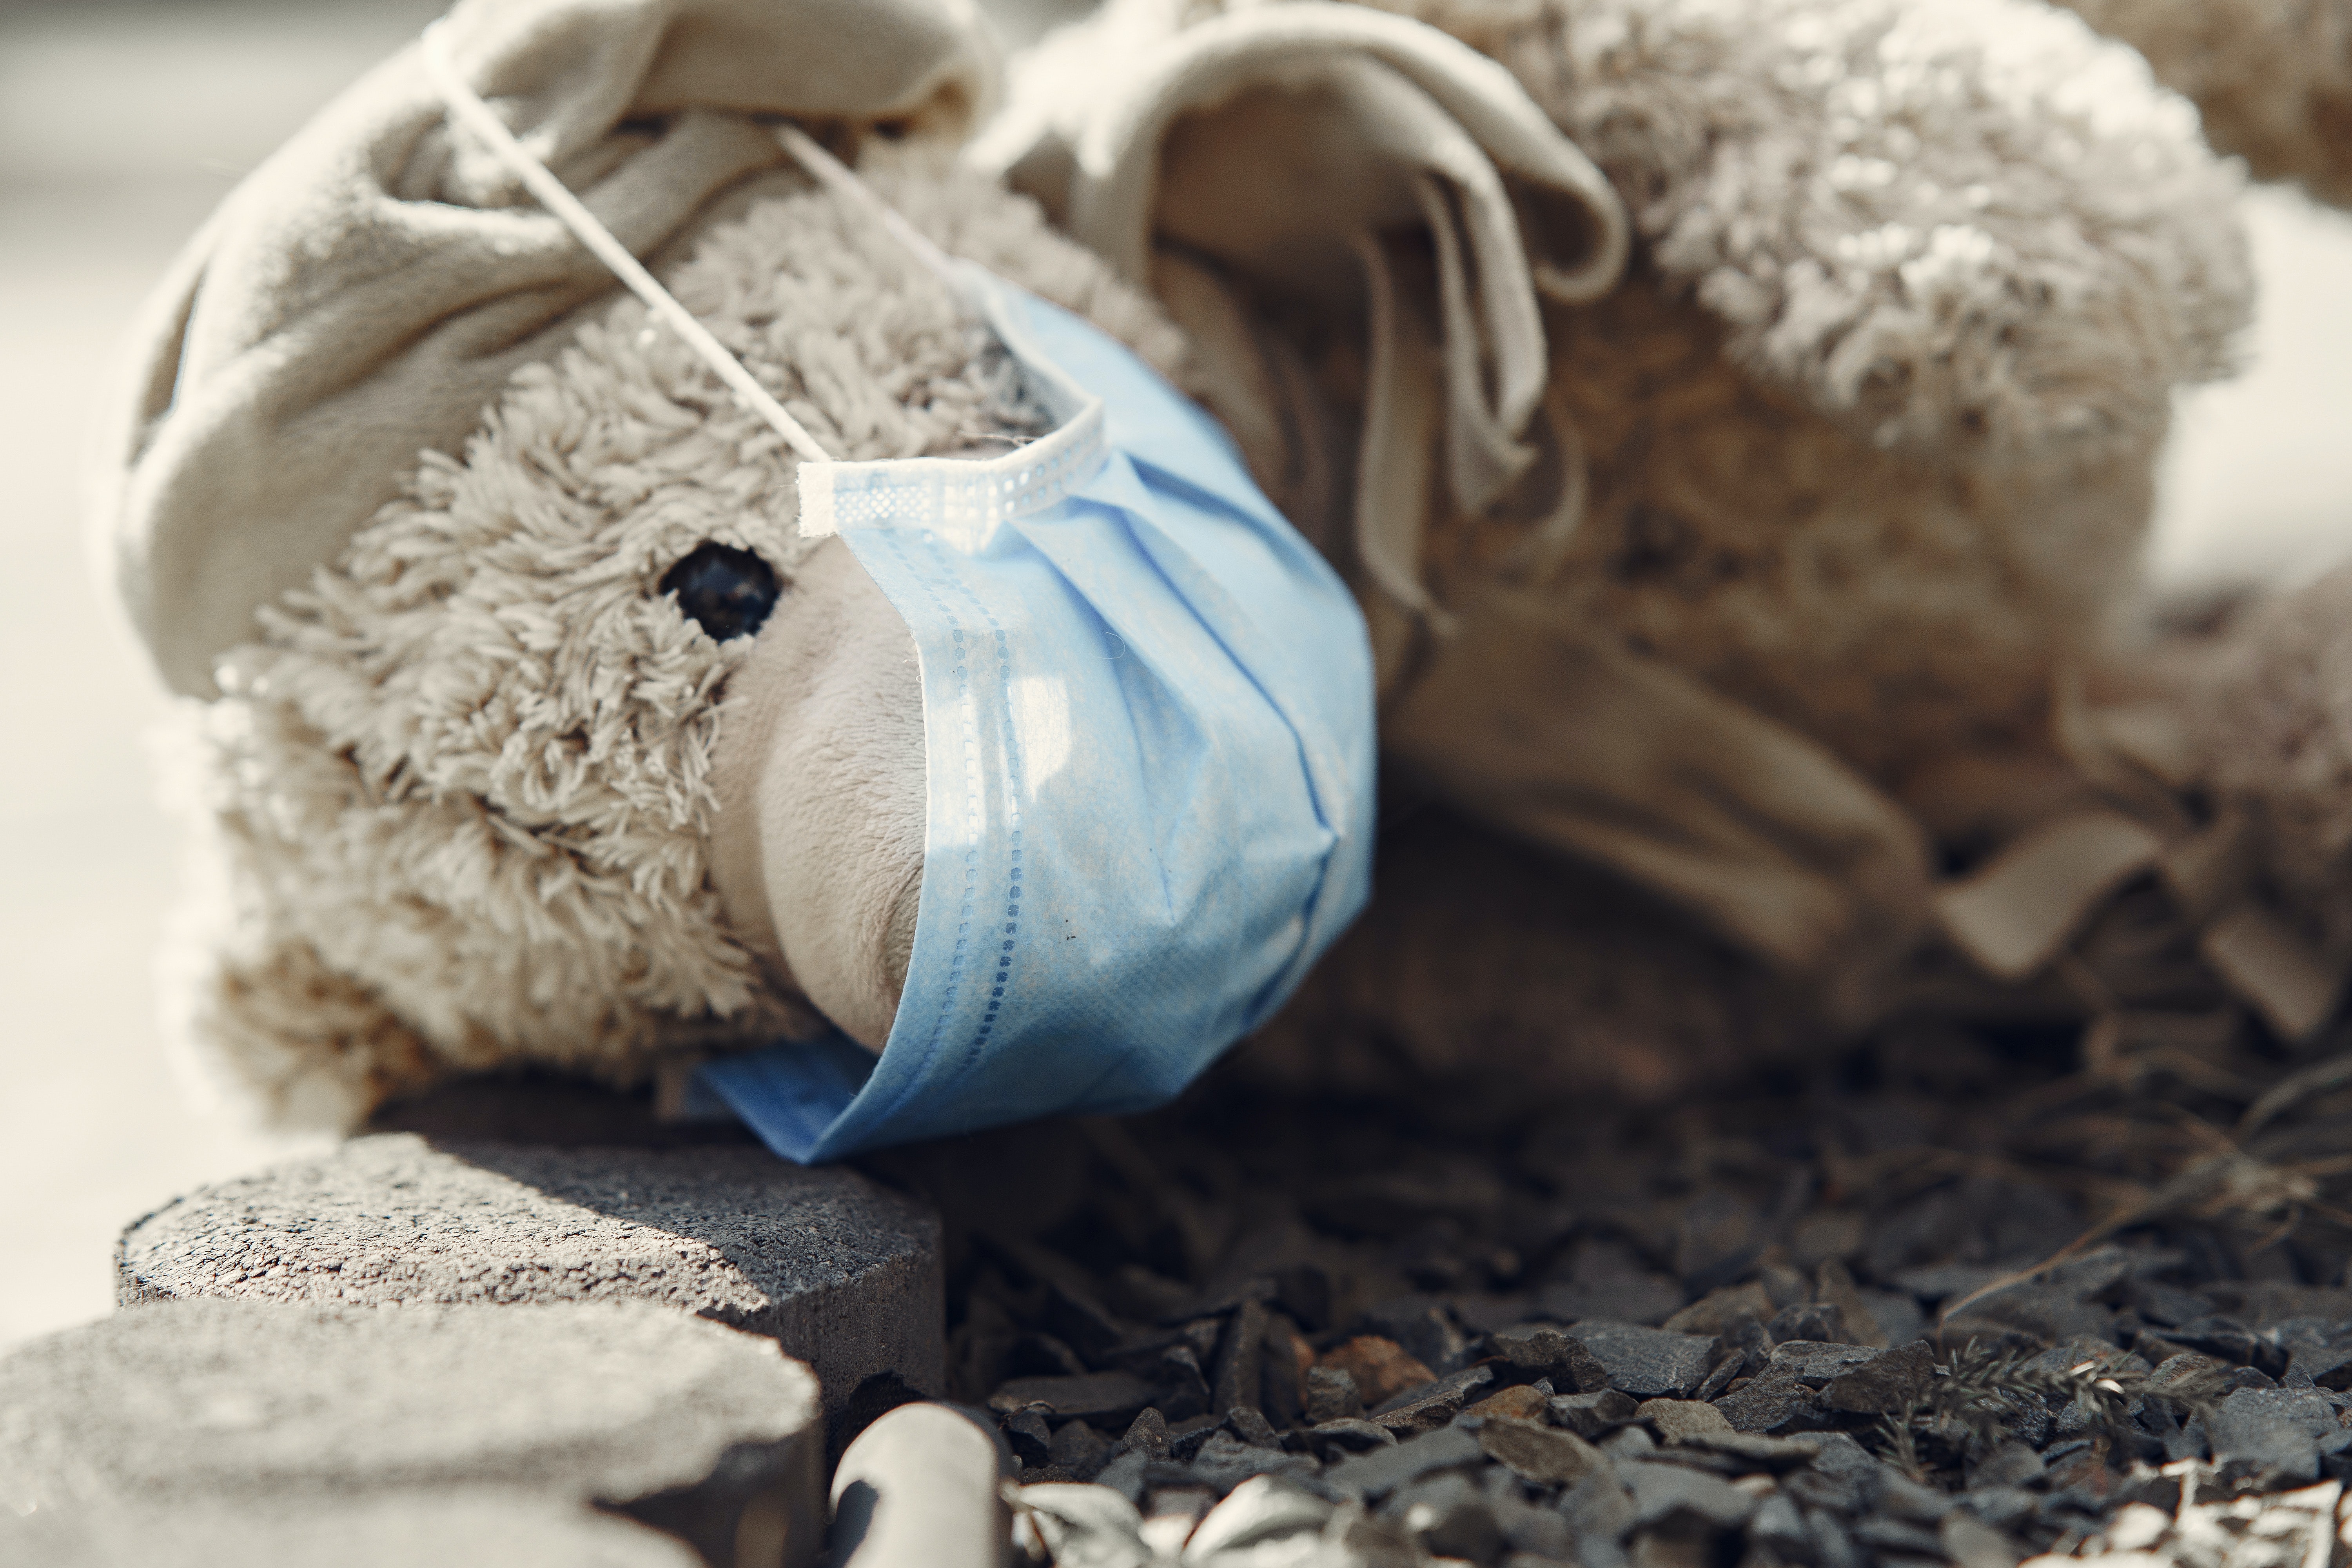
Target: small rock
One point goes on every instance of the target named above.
(1423, 1329)
(1843, 1476)
(1350, 1437)
(1815, 1321)
(1972, 1543)
(1078, 1448)
(1331, 1395)
(1718, 1309)
(1450, 1519)
(1524, 1402)
(1888, 1382)
(1678, 1420)
(1590, 1414)
(1113, 1398)
(1072, 1315)
(1834, 1545)
(1123, 1474)
(1240, 1358)
(1433, 1403)
(2011, 1465)
(2045, 1312)
(1148, 1436)
(1827, 1234)
(1264, 1508)
(1185, 1436)
(1893, 1535)
(1678, 1494)
(1779, 1528)
(1901, 1496)
(1542, 1534)
(2004, 1507)
(1775, 1404)
(1252, 1427)
(1815, 1362)
(1180, 1389)
(1380, 1367)
(1173, 1515)
(1091, 1525)
(1628, 1443)
(1533, 1351)
(1608, 1283)
(1758, 1453)
(1027, 1434)
(1649, 1363)
(1834, 1287)
(2270, 1436)
(1600, 1510)
(1374, 1475)
(1224, 1462)
(1544, 1455)
(1717, 1381)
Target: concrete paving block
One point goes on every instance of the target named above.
(207, 1433)
(842, 1272)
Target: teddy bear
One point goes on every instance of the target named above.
(1734, 422)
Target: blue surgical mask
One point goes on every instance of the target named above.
(1147, 714)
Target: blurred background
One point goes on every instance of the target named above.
(121, 125)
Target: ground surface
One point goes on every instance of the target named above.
(1973, 1295)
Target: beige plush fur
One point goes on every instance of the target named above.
(2273, 81)
(465, 787)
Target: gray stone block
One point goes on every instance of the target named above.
(218, 1432)
(842, 1273)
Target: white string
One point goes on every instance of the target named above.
(466, 106)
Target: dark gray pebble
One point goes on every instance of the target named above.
(1450, 1517)
(1888, 1382)
(1374, 1475)
(1535, 1351)
(1664, 1494)
(1113, 1398)
(1432, 1405)
(2271, 1436)
(1332, 1395)
(1649, 1363)
(1591, 1414)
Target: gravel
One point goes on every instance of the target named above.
(1618, 1339)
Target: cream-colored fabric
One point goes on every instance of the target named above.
(1526, 721)
(363, 296)
(1294, 145)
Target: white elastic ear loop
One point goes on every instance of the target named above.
(465, 105)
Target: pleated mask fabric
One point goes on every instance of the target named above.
(1148, 715)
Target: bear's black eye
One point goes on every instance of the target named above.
(728, 592)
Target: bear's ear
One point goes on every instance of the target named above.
(1331, 155)
(363, 296)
